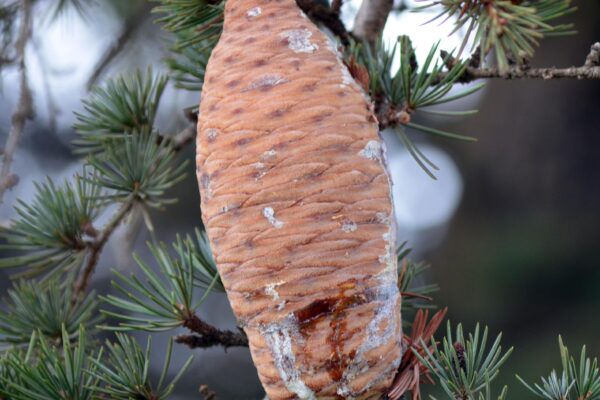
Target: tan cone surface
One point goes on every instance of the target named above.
(296, 203)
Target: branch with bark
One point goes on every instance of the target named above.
(328, 16)
(391, 115)
(184, 137)
(336, 6)
(207, 335)
(589, 70)
(95, 248)
(371, 18)
(535, 73)
(207, 393)
(24, 108)
(131, 25)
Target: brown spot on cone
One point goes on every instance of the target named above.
(360, 73)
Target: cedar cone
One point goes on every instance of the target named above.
(296, 203)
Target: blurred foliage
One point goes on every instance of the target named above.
(188, 63)
(8, 14)
(203, 17)
(126, 373)
(51, 372)
(80, 6)
(47, 308)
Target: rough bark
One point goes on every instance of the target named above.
(296, 203)
(207, 335)
(371, 18)
(584, 72)
(24, 109)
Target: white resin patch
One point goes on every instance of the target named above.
(382, 218)
(211, 134)
(266, 81)
(389, 257)
(299, 41)
(207, 185)
(261, 169)
(271, 291)
(279, 338)
(268, 155)
(372, 150)
(347, 79)
(254, 12)
(384, 325)
(375, 337)
(269, 214)
(349, 226)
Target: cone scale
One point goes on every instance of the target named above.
(296, 203)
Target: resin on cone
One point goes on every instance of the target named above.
(296, 203)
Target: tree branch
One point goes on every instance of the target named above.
(24, 108)
(336, 6)
(535, 73)
(95, 248)
(130, 27)
(390, 115)
(209, 336)
(330, 17)
(183, 138)
(589, 70)
(53, 109)
(371, 18)
(593, 58)
(207, 393)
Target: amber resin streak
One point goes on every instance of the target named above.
(296, 203)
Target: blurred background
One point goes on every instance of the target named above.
(509, 226)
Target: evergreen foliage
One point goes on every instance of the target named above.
(125, 105)
(416, 293)
(167, 299)
(408, 89)
(463, 365)
(138, 168)
(188, 63)
(203, 17)
(577, 381)
(126, 376)
(49, 234)
(51, 371)
(46, 308)
(512, 29)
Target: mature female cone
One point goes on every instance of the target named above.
(296, 203)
